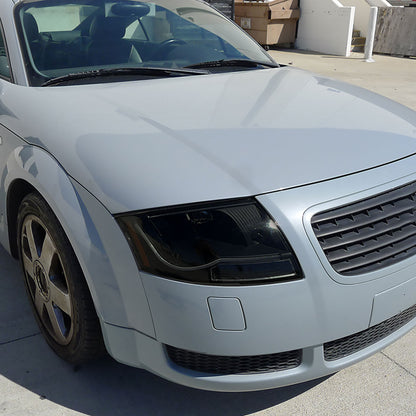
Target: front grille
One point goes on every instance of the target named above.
(370, 234)
(343, 347)
(225, 365)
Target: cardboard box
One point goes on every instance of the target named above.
(269, 23)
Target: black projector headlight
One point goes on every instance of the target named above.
(219, 243)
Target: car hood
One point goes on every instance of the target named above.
(152, 143)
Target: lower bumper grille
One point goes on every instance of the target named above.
(343, 347)
(225, 365)
(254, 364)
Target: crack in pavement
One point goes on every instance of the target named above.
(19, 339)
(399, 365)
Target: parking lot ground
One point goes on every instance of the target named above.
(33, 381)
(392, 77)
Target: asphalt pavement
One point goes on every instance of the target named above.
(33, 381)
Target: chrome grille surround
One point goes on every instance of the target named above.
(370, 234)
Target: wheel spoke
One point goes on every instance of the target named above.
(31, 240)
(60, 299)
(39, 302)
(59, 329)
(47, 253)
(28, 265)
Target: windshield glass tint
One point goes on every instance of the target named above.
(66, 37)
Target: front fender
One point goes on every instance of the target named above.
(99, 244)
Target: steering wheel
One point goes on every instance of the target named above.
(166, 46)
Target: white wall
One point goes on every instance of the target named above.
(362, 12)
(325, 26)
(378, 3)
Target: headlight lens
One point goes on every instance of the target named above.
(221, 243)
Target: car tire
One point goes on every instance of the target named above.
(55, 284)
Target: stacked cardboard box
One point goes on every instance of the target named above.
(269, 22)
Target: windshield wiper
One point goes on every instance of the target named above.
(247, 63)
(146, 71)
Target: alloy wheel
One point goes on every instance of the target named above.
(46, 280)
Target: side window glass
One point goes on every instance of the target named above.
(4, 60)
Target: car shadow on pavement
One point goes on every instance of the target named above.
(104, 387)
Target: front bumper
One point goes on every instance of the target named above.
(133, 348)
(352, 317)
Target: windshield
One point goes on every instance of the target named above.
(80, 36)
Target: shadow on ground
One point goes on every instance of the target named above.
(103, 388)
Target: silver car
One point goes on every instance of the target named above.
(177, 198)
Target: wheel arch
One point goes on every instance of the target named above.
(99, 244)
(31, 169)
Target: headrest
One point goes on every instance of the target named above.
(31, 27)
(107, 28)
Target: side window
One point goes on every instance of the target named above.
(4, 60)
